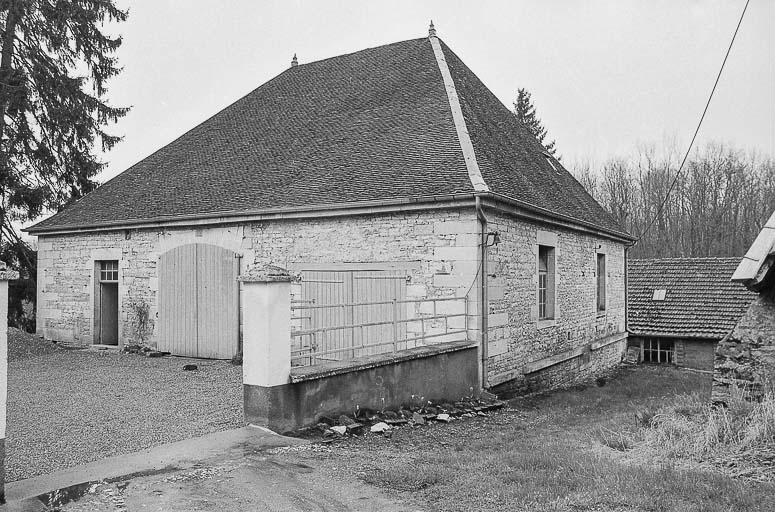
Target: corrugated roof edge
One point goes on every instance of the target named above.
(684, 259)
(664, 334)
(337, 209)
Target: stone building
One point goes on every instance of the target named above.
(746, 357)
(679, 308)
(396, 161)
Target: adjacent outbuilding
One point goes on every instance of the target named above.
(679, 308)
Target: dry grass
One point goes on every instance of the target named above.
(743, 432)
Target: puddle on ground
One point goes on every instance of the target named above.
(60, 497)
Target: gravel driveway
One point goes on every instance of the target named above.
(69, 407)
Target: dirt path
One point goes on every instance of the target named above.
(253, 481)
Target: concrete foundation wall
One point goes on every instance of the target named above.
(518, 341)
(445, 377)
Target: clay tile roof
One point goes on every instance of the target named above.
(700, 300)
(370, 126)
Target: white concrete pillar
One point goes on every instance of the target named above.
(266, 346)
(5, 276)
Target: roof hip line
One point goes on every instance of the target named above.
(477, 180)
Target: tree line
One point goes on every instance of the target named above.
(716, 206)
(56, 59)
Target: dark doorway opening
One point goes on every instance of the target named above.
(106, 303)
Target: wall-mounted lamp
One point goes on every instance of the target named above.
(493, 238)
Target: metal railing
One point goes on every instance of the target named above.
(318, 335)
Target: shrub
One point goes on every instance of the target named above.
(140, 320)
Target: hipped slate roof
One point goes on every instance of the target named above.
(371, 126)
(700, 300)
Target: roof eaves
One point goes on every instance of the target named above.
(674, 334)
(294, 212)
(566, 220)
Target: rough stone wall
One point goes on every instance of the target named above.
(589, 364)
(66, 280)
(437, 246)
(746, 357)
(518, 339)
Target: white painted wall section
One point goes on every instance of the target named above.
(3, 356)
(266, 348)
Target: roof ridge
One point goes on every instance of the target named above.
(464, 138)
(512, 161)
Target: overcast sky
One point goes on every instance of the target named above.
(605, 75)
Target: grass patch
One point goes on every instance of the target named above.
(566, 451)
(690, 428)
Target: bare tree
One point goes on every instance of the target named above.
(715, 207)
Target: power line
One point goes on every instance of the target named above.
(702, 118)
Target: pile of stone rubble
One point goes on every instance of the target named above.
(384, 422)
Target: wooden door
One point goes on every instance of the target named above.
(198, 302)
(345, 288)
(380, 286)
(324, 288)
(109, 313)
(217, 302)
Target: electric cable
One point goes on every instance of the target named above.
(702, 118)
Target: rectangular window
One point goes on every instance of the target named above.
(657, 350)
(601, 278)
(545, 282)
(109, 271)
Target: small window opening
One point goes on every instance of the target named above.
(659, 295)
(109, 271)
(657, 350)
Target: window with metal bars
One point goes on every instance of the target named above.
(109, 271)
(657, 350)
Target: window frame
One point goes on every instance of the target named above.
(660, 347)
(108, 271)
(547, 278)
(601, 283)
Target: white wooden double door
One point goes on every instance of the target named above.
(199, 302)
